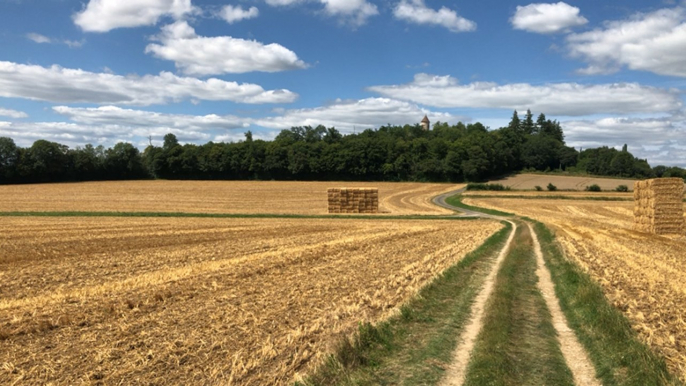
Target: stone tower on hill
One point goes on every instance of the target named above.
(426, 124)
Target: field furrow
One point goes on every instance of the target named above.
(244, 301)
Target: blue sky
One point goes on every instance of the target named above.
(104, 71)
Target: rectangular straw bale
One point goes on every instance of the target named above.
(658, 206)
(353, 200)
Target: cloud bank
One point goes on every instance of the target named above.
(64, 85)
(569, 99)
(654, 42)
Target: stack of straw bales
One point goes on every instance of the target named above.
(353, 200)
(658, 206)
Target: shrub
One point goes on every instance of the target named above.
(593, 188)
(538, 188)
(551, 187)
(477, 186)
(622, 188)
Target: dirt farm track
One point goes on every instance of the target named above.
(643, 275)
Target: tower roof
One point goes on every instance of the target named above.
(426, 119)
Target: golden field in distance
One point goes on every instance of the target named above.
(642, 274)
(530, 181)
(204, 301)
(232, 197)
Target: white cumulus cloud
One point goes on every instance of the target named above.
(570, 99)
(199, 55)
(654, 42)
(280, 3)
(113, 115)
(64, 85)
(415, 11)
(38, 38)
(353, 12)
(12, 113)
(660, 140)
(547, 18)
(236, 13)
(106, 15)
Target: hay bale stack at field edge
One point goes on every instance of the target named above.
(658, 206)
(353, 200)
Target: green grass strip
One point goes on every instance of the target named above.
(416, 346)
(224, 215)
(518, 343)
(617, 354)
(456, 201)
(550, 197)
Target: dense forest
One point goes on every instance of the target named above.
(455, 153)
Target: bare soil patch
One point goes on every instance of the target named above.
(530, 181)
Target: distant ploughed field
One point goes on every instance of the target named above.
(530, 181)
(308, 198)
(87, 300)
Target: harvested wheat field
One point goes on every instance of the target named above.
(203, 301)
(644, 275)
(627, 196)
(530, 181)
(213, 197)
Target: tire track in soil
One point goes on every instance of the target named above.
(456, 372)
(575, 355)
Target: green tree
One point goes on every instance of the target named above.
(88, 165)
(476, 166)
(622, 164)
(8, 159)
(123, 161)
(170, 142)
(541, 153)
(540, 123)
(47, 161)
(528, 125)
(515, 123)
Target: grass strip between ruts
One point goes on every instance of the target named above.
(518, 344)
(416, 346)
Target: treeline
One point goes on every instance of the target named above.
(460, 152)
(47, 161)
